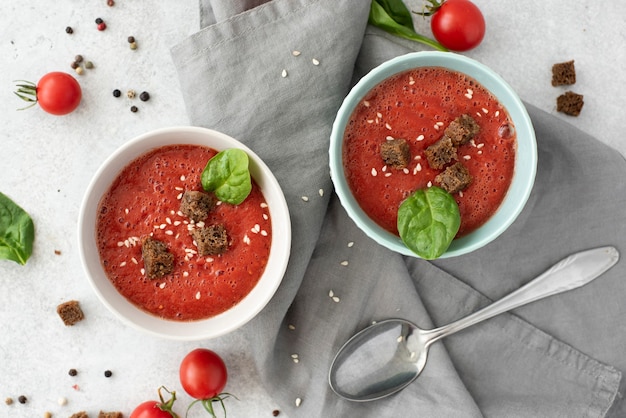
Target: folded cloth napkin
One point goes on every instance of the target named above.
(273, 75)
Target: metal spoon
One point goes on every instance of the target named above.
(386, 357)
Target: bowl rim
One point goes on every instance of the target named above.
(525, 158)
(126, 311)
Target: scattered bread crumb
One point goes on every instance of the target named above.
(70, 312)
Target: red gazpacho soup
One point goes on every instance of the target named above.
(417, 105)
(144, 202)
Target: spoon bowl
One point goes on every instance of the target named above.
(387, 356)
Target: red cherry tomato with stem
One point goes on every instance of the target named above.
(57, 93)
(203, 375)
(459, 25)
(156, 409)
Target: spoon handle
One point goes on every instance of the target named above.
(574, 271)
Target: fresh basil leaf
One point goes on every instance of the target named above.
(17, 232)
(382, 16)
(428, 221)
(228, 176)
(397, 10)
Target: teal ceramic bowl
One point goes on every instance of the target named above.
(525, 158)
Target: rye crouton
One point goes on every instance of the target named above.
(440, 153)
(110, 414)
(81, 414)
(395, 153)
(211, 239)
(461, 130)
(70, 312)
(570, 103)
(157, 260)
(454, 178)
(563, 73)
(196, 204)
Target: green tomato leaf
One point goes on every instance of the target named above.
(228, 176)
(17, 232)
(428, 221)
(388, 16)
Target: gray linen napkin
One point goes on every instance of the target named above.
(239, 75)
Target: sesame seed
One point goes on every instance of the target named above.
(162, 226)
(479, 152)
(296, 360)
(168, 232)
(470, 91)
(387, 126)
(180, 189)
(264, 232)
(418, 167)
(126, 211)
(200, 224)
(265, 216)
(420, 138)
(123, 263)
(387, 174)
(315, 61)
(469, 96)
(305, 198)
(321, 192)
(182, 178)
(405, 170)
(440, 123)
(497, 113)
(430, 184)
(366, 103)
(400, 339)
(436, 127)
(389, 138)
(461, 193)
(331, 293)
(294, 356)
(291, 327)
(179, 213)
(336, 299)
(411, 81)
(479, 146)
(180, 196)
(370, 121)
(485, 111)
(185, 274)
(198, 295)
(384, 168)
(168, 220)
(467, 157)
(295, 53)
(162, 285)
(284, 73)
(344, 263)
(350, 244)
(176, 223)
(379, 115)
(120, 243)
(62, 401)
(298, 402)
(246, 239)
(479, 114)
(143, 271)
(263, 205)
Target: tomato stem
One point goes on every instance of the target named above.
(166, 406)
(26, 91)
(430, 10)
(208, 403)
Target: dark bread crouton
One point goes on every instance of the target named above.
(196, 204)
(395, 153)
(440, 153)
(454, 178)
(211, 239)
(461, 130)
(110, 415)
(70, 312)
(570, 103)
(563, 73)
(157, 260)
(81, 414)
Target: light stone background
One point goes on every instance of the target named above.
(46, 163)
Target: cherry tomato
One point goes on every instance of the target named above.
(203, 374)
(458, 25)
(57, 93)
(150, 409)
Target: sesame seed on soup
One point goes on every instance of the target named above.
(144, 201)
(417, 105)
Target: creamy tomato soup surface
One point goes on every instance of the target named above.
(144, 201)
(417, 105)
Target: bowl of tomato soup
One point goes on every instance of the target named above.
(171, 258)
(417, 116)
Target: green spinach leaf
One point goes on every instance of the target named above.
(17, 232)
(428, 221)
(227, 175)
(392, 16)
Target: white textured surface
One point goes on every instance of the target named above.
(46, 163)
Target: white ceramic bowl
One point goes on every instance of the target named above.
(525, 157)
(221, 324)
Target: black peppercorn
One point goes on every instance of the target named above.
(110, 3)
(131, 39)
(144, 96)
(275, 412)
(78, 58)
(69, 30)
(22, 399)
(108, 373)
(98, 21)
(134, 109)
(74, 65)
(72, 372)
(117, 93)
